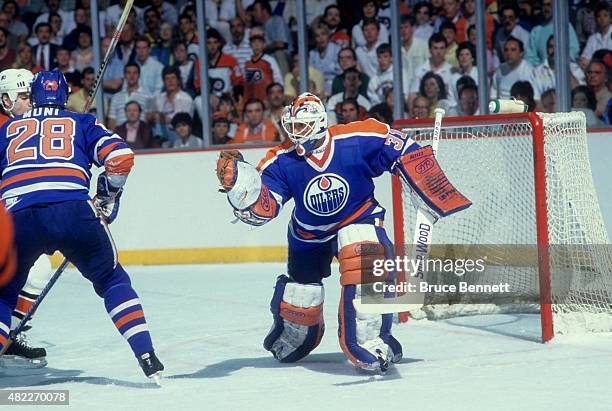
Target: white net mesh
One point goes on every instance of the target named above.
(493, 165)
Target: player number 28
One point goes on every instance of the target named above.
(57, 139)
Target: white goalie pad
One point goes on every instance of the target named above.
(245, 191)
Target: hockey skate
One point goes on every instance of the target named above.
(151, 366)
(21, 355)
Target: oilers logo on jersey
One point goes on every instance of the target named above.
(326, 194)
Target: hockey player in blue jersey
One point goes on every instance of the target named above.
(329, 172)
(45, 157)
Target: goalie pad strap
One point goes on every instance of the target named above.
(423, 173)
(357, 262)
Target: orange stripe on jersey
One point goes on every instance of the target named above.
(104, 152)
(48, 172)
(23, 304)
(369, 126)
(273, 152)
(129, 317)
(341, 224)
(2, 340)
(120, 165)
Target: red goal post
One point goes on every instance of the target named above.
(529, 177)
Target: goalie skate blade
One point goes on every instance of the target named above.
(390, 307)
(156, 378)
(9, 362)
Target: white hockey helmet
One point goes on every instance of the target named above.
(305, 121)
(13, 82)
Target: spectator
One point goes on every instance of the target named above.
(182, 124)
(113, 13)
(5, 24)
(76, 101)
(370, 13)
(536, 50)
(150, 68)
(436, 64)
(16, 26)
(423, 28)
(152, 20)
(466, 56)
(189, 36)
(186, 68)
(583, 99)
(275, 103)
(543, 76)
(432, 86)
(337, 34)
(256, 128)
(83, 55)
(239, 46)
(448, 30)
(219, 13)
(492, 59)
(348, 59)
(415, 52)
(381, 112)
(510, 27)
(71, 40)
(350, 111)
(137, 133)
(467, 102)
(126, 50)
(468, 18)
(220, 129)
(163, 49)
(57, 35)
(277, 34)
(602, 39)
(352, 87)
(549, 101)
(223, 69)
(597, 77)
(586, 23)
(514, 69)
(324, 57)
(25, 58)
(451, 13)
(227, 109)
(64, 64)
(166, 11)
(172, 101)
(383, 80)
(523, 91)
(421, 107)
(292, 79)
(53, 6)
(366, 54)
(132, 91)
(44, 51)
(113, 76)
(260, 71)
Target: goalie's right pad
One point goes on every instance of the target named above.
(422, 172)
(298, 319)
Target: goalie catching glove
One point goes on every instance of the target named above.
(421, 171)
(107, 198)
(251, 200)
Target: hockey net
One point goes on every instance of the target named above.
(535, 220)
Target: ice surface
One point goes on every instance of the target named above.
(208, 324)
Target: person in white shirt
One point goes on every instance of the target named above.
(182, 124)
(370, 11)
(514, 69)
(366, 54)
(543, 76)
(172, 101)
(239, 46)
(423, 28)
(415, 51)
(150, 68)
(602, 39)
(436, 64)
(383, 80)
(466, 56)
(131, 91)
(324, 57)
(509, 16)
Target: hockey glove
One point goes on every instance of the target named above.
(107, 198)
(227, 168)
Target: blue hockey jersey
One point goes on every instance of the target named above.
(333, 186)
(47, 153)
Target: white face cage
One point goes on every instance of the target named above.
(304, 119)
(13, 82)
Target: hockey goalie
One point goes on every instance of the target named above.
(329, 173)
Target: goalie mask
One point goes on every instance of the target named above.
(305, 122)
(13, 82)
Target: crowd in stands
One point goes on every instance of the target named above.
(153, 93)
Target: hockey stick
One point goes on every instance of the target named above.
(92, 94)
(423, 234)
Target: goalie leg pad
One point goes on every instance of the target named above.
(422, 172)
(298, 326)
(365, 339)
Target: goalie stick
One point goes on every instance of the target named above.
(423, 234)
(92, 94)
